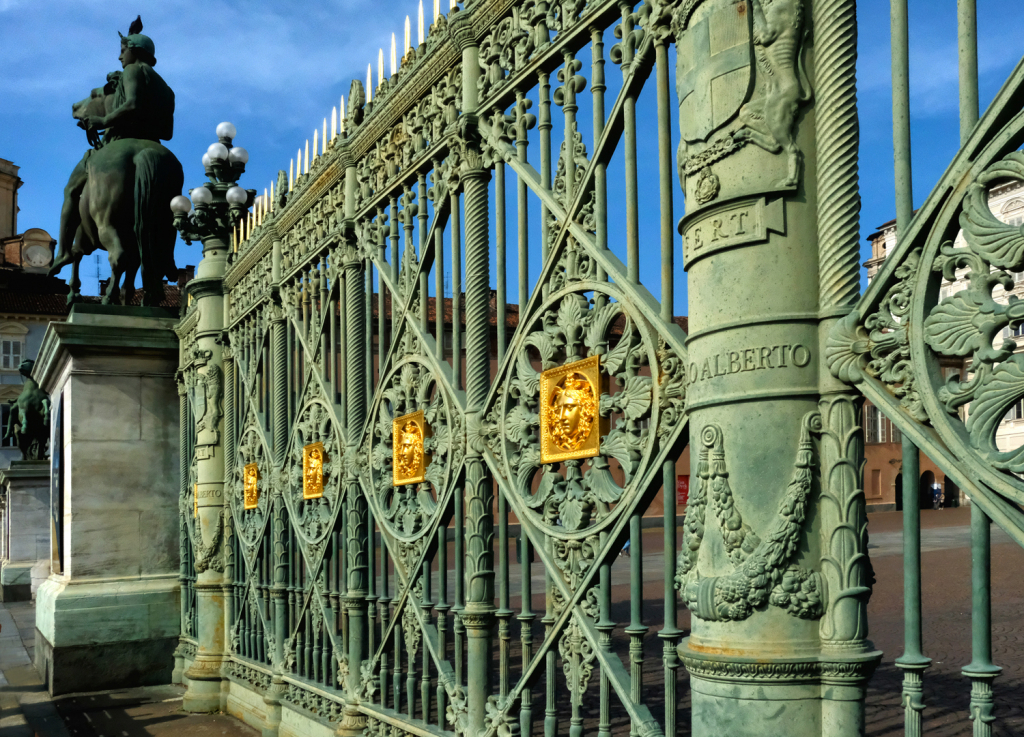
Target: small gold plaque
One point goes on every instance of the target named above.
(410, 462)
(195, 500)
(251, 477)
(570, 425)
(313, 458)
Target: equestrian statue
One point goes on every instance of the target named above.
(29, 421)
(116, 198)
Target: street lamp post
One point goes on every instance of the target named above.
(214, 211)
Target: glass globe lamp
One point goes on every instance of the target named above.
(226, 130)
(238, 155)
(202, 196)
(217, 151)
(236, 196)
(181, 205)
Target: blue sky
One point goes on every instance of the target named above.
(275, 69)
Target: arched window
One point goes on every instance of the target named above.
(1013, 212)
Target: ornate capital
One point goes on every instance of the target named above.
(460, 29)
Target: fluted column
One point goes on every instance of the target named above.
(357, 573)
(279, 518)
(205, 674)
(848, 656)
(479, 613)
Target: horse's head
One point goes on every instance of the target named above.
(94, 106)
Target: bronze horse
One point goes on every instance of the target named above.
(124, 209)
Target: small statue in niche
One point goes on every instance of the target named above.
(29, 421)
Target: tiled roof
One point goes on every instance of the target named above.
(28, 293)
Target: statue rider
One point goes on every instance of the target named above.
(139, 105)
(29, 422)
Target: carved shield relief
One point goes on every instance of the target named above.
(715, 55)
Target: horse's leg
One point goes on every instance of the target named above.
(75, 284)
(70, 217)
(128, 290)
(112, 240)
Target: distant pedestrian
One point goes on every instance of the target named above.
(936, 496)
(625, 548)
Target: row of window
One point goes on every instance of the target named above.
(11, 352)
(878, 428)
(5, 413)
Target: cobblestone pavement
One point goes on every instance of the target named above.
(946, 599)
(26, 710)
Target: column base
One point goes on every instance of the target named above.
(204, 677)
(16, 580)
(751, 697)
(104, 635)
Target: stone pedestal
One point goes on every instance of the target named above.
(25, 488)
(108, 617)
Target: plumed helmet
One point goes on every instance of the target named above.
(136, 40)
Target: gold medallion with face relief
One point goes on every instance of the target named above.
(570, 426)
(313, 458)
(250, 478)
(409, 461)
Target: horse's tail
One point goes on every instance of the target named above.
(158, 178)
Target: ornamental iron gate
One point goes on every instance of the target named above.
(368, 455)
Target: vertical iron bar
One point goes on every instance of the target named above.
(605, 625)
(499, 235)
(665, 188)
(544, 126)
(442, 623)
(629, 152)
(422, 214)
(456, 292)
(670, 632)
(900, 35)
(382, 320)
(438, 281)
(526, 618)
(522, 205)
(504, 613)
(981, 670)
(912, 662)
(636, 629)
(394, 236)
(967, 43)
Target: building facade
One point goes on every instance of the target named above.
(29, 299)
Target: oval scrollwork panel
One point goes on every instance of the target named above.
(315, 446)
(580, 409)
(415, 441)
(250, 482)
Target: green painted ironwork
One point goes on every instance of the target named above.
(383, 609)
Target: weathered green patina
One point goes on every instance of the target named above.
(389, 609)
(116, 198)
(29, 421)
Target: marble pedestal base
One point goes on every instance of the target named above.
(108, 615)
(25, 488)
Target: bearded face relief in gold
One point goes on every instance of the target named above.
(409, 462)
(313, 471)
(570, 426)
(250, 478)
